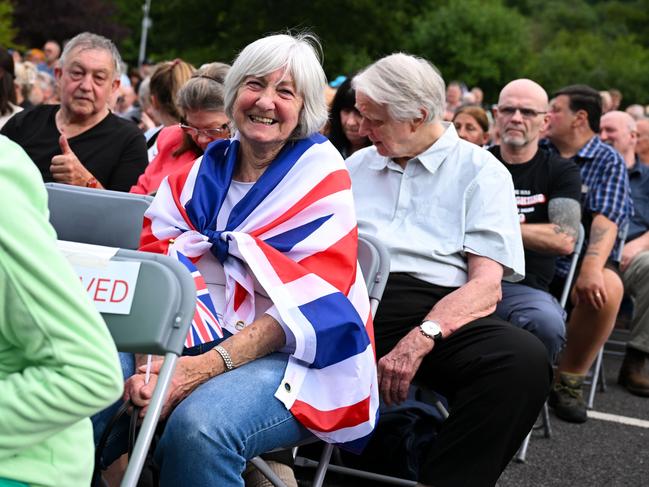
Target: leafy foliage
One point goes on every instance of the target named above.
(487, 43)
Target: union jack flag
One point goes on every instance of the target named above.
(293, 235)
(205, 325)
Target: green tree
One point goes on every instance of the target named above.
(478, 42)
(7, 30)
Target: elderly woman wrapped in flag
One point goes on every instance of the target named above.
(267, 219)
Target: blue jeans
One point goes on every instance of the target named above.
(224, 422)
(535, 311)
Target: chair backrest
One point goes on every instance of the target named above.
(97, 216)
(162, 307)
(574, 259)
(374, 260)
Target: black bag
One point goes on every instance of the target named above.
(403, 436)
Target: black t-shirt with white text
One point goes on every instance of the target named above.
(536, 182)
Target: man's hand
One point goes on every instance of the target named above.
(590, 288)
(397, 369)
(66, 167)
(630, 250)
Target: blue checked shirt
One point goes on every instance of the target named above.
(605, 190)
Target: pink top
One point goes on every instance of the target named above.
(164, 162)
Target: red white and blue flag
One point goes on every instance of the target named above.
(294, 235)
(205, 326)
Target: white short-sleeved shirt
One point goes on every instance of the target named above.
(453, 198)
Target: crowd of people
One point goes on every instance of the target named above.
(266, 186)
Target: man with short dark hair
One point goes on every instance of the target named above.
(547, 192)
(575, 113)
(80, 141)
(619, 130)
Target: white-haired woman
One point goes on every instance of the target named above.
(268, 219)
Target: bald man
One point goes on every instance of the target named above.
(547, 192)
(619, 129)
(642, 145)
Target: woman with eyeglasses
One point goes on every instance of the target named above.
(200, 102)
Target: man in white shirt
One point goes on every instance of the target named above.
(446, 211)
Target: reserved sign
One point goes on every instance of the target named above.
(110, 284)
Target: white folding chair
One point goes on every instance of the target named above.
(563, 301)
(97, 216)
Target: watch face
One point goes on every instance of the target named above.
(431, 328)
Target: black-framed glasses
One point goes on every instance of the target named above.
(525, 112)
(211, 133)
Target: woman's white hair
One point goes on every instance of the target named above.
(300, 56)
(404, 84)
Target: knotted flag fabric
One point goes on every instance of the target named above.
(293, 234)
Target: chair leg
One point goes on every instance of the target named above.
(547, 429)
(265, 469)
(323, 465)
(522, 450)
(595, 379)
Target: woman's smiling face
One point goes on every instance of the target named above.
(267, 109)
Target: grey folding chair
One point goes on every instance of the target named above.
(161, 313)
(597, 371)
(165, 294)
(374, 261)
(563, 300)
(97, 216)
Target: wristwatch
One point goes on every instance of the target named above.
(431, 329)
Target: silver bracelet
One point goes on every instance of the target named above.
(229, 365)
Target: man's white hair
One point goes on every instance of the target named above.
(404, 84)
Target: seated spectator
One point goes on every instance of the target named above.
(80, 142)
(27, 91)
(59, 363)
(636, 111)
(166, 81)
(575, 113)
(454, 93)
(8, 106)
(619, 130)
(445, 209)
(344, 121)
(47, 84)
(52, 51)
(35, 56)
(275, 238)
(201, 103)
(472, 124)
(642, 143)
(616, 98)
(548, 191)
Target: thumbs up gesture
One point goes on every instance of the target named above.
(66, 167)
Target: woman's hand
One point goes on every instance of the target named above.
(189, 374)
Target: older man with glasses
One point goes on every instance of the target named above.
(547, 192)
